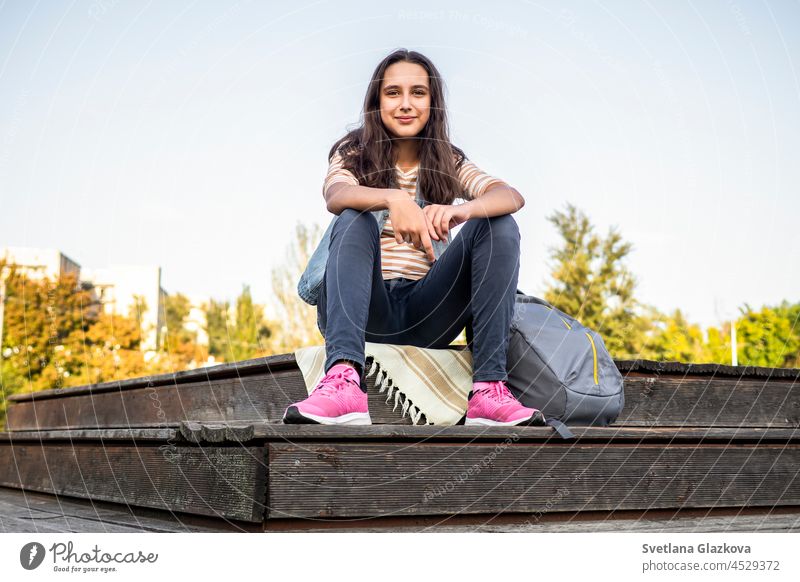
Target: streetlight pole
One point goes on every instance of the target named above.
(3, 275)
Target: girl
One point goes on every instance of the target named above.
(386, 269)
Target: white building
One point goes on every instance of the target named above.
(120, 286)
(37, 264)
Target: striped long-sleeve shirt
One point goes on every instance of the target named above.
(404, 259)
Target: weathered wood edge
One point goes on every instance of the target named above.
(284, 361)
(220, 432)
(242, 368)
(193, 432)
(709, 369)
(123, 434)
(214, 480)
(42, 509)
(26, 511)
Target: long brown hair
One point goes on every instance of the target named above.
(368, 151)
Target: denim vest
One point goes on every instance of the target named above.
(313, 277)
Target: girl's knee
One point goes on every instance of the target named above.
(353, 215)
(350, 218)
(504, 223)
(355, 223)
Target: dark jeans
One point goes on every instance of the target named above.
(475, 279)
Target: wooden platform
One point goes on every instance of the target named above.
(23, 512)
(695, 447)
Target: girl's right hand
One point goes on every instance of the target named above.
(410, 223)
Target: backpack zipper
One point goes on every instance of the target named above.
(594, 356)
(594, 349)
(561, 318)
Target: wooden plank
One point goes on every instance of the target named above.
(325, 480)
(270, 364)
(216, 481)
(789, 523)
(781, 523)
(102, 434)
(710, 401)
(249, 432)
(255, 398)
(56, 524)
(241, 432)
(702, 401)
(254, 367)
(25, 511)
(259, 398)
(652, 367)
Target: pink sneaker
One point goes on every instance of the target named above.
(492, 404)
(337, 399)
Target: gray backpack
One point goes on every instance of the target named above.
(562, 368)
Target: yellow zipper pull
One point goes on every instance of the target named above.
(561, 318)
(594, 356)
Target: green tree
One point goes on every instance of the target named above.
(718, 344)
(250, 330)
(791, 312)
(767, 337)
(12, 382)
(591, 282)
(217, 328)
(180, 345)
(678, 340)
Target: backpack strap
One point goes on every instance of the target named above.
(560, 428)
(525, 298)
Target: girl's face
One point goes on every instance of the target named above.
(405, 99)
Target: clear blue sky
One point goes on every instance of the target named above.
(193, 135)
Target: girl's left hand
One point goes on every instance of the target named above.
(443, 217)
